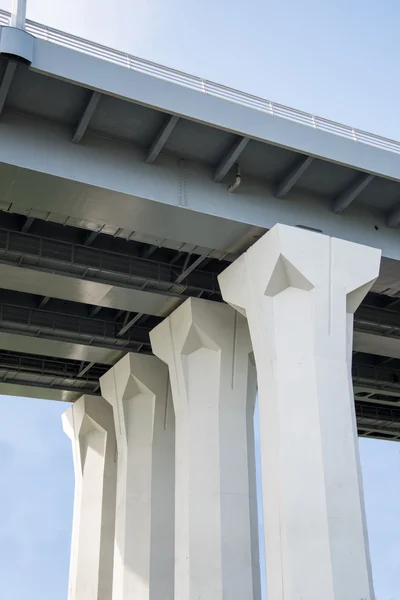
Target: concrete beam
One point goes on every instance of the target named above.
(29, 390)
(27, 344)
(76, 329)
(47, 252)
(85, 368)
(230, 158)
(91, 236)
(293, 176)
(19, 382)
(112, 185)
(42, 302)
(161, 139)
(245, 120)
(348, 195)
(87, 114)
(6, 82)
(394, 217)
(68, 287)
(374, 343)
(27, 225)
(129, 324)
(380, 320)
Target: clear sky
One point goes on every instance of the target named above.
(337, 59)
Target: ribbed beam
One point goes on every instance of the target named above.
(6, 82)
(43, 301)
(51, 325)
(85, 369)
(348, 195)
(375, 379)
(23, 380)
(27, 225)
(161, 139)
(64, 349)
(86, 116)
(81, 262)
(230, 158)
(28, 363)
(129, 324)
(394, 216)
(38, 371)
(378, 421)
(377, 320)
(293, 176)
(91, 236)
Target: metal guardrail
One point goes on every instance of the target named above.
(4, 17)
(203, 85)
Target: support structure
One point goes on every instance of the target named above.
(18, 14)
(348, 195)
(90, 425)
(207, 348)
(299, 291)
(293, 176)
(137, 387)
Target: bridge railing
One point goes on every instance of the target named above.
(207, 87)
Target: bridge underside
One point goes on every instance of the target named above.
(70, 309)
(114, 210)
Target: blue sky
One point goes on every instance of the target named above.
(37, 495)
(338, 60)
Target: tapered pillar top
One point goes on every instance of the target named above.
(292, 257)
(195, 324)
(87, 410)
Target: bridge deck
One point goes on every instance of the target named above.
(115, 206)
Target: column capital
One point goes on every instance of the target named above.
(93, 408)
(132, 375)
(292, 257)
(195, 324)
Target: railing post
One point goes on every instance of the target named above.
(18, 14)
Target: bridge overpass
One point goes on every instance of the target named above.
(134, 200)
(127, 187)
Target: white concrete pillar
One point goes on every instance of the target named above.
(207, 346)
(90, 425)
(299, 290)
(251, 466)
(137, 387)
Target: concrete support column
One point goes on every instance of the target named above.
(137, 387)
(90, 425)
(207, 348)
(299, 290)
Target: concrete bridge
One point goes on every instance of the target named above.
(135, 200)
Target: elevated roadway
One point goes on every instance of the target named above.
(126, 187)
